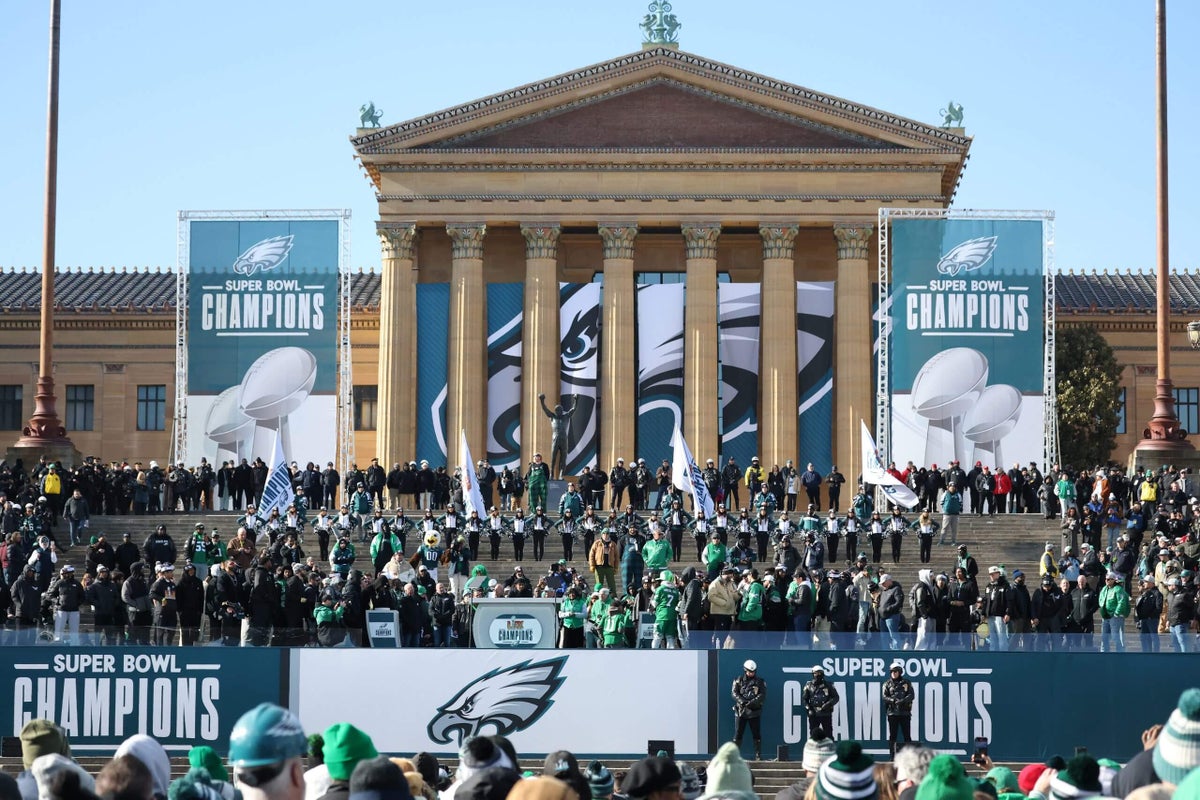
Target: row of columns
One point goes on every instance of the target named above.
(467, 368)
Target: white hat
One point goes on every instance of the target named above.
(750, 666)
(992, 569)
(887, 576)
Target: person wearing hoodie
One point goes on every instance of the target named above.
(103, 595)
(189, 600)
(891, 606)
(59, 778)
(135, 594)
(921, 601)
(159, 547)
(127, 554)
(39, 738)
(152, 754)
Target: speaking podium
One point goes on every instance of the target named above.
(521, 623)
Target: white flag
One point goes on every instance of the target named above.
(686, 475)
(873, 472)
(278, 492)
(472, 497)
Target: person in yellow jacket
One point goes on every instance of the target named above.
(754, 476)
(1047, 565)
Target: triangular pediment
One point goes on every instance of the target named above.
(660, 112)
(658, 98)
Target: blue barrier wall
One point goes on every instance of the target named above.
(1028, 705)
(182, 696)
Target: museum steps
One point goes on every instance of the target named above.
(1013, 540)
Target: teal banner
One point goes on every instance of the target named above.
(968, 333)
(102, 696)
(433, 324)
(1028, 706)
(262, 318)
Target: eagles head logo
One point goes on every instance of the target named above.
(968, 256)
(500, 702)
(266, 255)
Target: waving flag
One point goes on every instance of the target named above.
(873, 472)
(278, 491)
(686, 476)
(472, 497)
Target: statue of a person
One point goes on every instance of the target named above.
(559, 421)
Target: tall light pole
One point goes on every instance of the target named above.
(45, 434)
(1163, 437)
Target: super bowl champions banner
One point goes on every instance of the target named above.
(579, 332)
(535, 698)
(505, 310)
(739, 321)
(102, 696)
(814, 362)
(1006, 698)
(660, 369)
(262, 318)
(967, 341)
(433, 323)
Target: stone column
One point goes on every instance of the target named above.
(540, 340)
(466, 385)
(853, 330)
(618, 355)
(701, 413)
(395, 433)
(779, 422)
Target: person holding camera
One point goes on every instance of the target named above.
(898, 699)
(749, 696)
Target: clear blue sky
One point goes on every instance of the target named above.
(243, 105)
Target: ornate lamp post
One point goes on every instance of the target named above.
(1163, 439)
(45, 434)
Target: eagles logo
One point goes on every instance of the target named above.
(266, 255)
(968, 256)
(500, 702)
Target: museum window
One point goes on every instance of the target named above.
(366, 402)
(1121, 410)
(152, 408)
(1187, 407)
(11, 418)
(81, 406)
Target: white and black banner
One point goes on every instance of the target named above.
(579, 332)
(815, 303)
(739, 321)
(660, 369)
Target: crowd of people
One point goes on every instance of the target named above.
(271, 758)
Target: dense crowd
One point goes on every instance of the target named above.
(270, 757)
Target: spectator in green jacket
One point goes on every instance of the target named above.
(657, 552)
(1114, 608)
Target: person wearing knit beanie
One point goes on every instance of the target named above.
(945, 780)
(345, 746)
(690, 787)
(1028, 777)
(1081, 778)
(600, 780)
(1004, 779)
(817, 750)
(729, 775)
(1177, 751)
(1189, 787)
(849, 775)
(205, 756)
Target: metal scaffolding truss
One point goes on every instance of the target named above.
(345, 431)
(883, 396)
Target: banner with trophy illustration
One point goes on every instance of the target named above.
(967, 341)
(262, 334)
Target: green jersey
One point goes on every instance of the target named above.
(666, 602)
(751, 609)
(657, 553)
(614, 629)
(714, 554)
(573, 611)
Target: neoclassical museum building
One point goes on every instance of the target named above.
(652, 241)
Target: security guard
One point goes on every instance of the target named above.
(749, 695)
(819, 698)
(898, 700)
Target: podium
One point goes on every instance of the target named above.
(383, 627)
(555, 489)
(521, 623)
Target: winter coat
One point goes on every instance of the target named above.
(891, 601)
(65, 594)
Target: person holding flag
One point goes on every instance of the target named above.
(896, 491)
(687, 477)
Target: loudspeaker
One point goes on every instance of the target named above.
(654, 746)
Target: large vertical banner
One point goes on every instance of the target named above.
(967, 341)
(814, 363)
(262, 341)
(579, 331)
(660, 369)
(739, 320)
(505, 310)
(433, 323)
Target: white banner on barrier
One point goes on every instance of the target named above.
(561, 700)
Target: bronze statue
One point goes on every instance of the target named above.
(368, 116)
(560, 420)
(952, 115)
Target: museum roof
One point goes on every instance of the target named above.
(152, 290)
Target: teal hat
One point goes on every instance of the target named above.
(345, 746)
(204, 756)
(266, 734)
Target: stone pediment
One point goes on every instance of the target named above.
(658, 98)
(661, 113)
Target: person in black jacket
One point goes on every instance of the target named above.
(135, 594)
(189, 602)
(1146, 612)
(997, 604)
(27, 598)
(412, 619)
(376, 481)
(441, 608)
(1084, 603)
(1019, 610)
(962, 595)
(164, 608)
(1045, 617)
(264, 599)
(103, 597)
(330, 481)
(1181, 610)
(159, 547)
(64, 597)
(127, 554)
(898, 699)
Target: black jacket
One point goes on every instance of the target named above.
(997, 598)
(65, 594)
(898, 696)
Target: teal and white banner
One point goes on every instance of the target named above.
(814, 365)
(660, 370)
(739, 322)
(579, 371)
(262, 317)
(103, 695)
(967, 341)
(505, 310)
